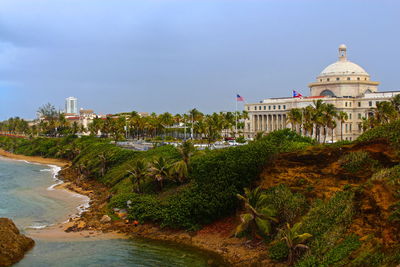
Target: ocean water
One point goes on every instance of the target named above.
(27, 197)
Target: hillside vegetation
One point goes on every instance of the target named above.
(327, 205)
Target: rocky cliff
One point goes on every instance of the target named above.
(13, 244)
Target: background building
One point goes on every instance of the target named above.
(71, 105)
(344, 84)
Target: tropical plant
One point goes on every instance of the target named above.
(294, 240)
(342, 117)
(258, 215)
(160, 170)
(138, 172)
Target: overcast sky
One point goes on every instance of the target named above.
(150, 55)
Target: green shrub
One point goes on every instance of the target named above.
(354, 162)
(289, 205)
(390, 132)
(119, 201)
(278, 251)
(145, 208)
(324, 215)
(341, 251)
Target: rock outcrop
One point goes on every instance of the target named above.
(13, 244)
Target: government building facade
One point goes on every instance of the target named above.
(344, 84)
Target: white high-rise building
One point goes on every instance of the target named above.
(71, 105)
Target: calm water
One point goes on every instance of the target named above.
(27, 197)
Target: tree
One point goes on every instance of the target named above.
(257, 215)
(47, 112)
(329, 115)
(160, 170)
(342, 117)
(180, 169)
(396, 103)
(138, 172)
(385, 112)
(295, 118)
(294, 240)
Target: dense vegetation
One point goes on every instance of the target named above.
(297, 226)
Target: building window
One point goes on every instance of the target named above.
(337, 79)
(284, 106)
(265, 107)
(349, 104)
(345, 104)
(269, 107)
(359, 127)
(359, 116)
(377, 102)
(359, 104)
(274, 107)
(350, 127)
(346, 128)
(320, 80)
(279, 107)
(255, 107)
(348, 78)
(259, 108)
(248, 108)
(370, 103)
(358, 78)
(350, 116)
(365, 78)
(327, 79)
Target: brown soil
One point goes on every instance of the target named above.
(13, 244)
(317, 174)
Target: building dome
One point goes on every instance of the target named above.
(340, 68)
(343, 66)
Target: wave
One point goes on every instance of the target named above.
(55, 169)
(82, 207)
(38, 226)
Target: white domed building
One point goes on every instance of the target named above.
(343, 83)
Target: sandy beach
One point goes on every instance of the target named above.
(35, 159)
(56, 232)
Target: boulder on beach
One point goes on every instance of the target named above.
(13, 244)
(105, 219)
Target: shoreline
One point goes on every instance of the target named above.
(218, 243)
(34, 159)
(56, 231)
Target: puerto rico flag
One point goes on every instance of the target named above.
(296, 94)
(239, 98)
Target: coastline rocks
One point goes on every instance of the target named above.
(105, 219)
(13, 244)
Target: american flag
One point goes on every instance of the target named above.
(239, 98)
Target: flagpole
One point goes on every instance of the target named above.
(236, 117)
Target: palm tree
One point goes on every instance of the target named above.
(342, 117)
(257, 215)
(294, 240)
(294, 118)
(329, 116)
(138, 172)
(308, 124)
(318, 118)
(396, 102)
(160, 170)
(180, 169)
(332, 125)
(385, 112)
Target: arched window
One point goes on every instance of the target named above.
(327, 93)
